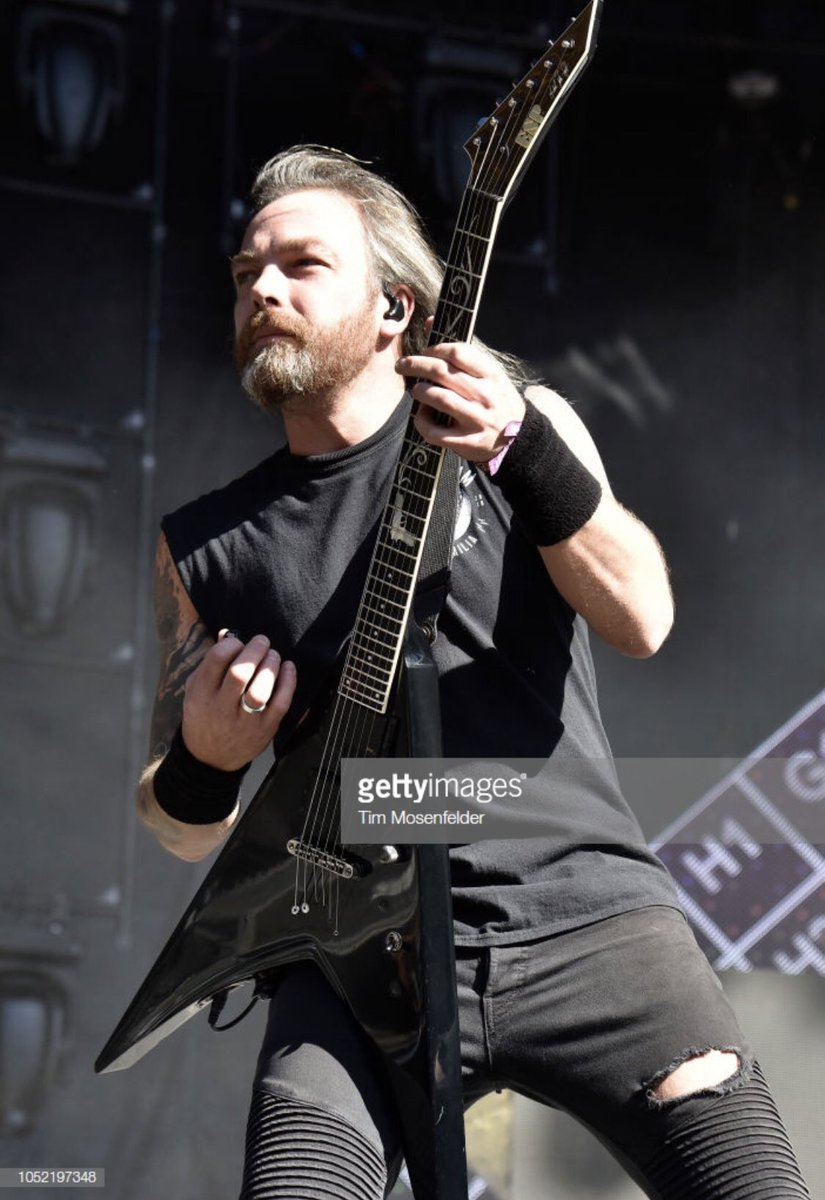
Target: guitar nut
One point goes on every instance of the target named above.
(393, 942)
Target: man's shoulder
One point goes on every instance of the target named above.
(551, 403)
(214, 513)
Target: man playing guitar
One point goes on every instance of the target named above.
(579, 981)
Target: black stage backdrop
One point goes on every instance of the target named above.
(662, 266)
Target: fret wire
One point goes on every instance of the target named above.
(377, 641)
(359, 691)
(383, 600)
(399, 529)
(472, 274)
(414, 441)
(479, 237)
(417, 465)
(359, 638)
(408, 485)
(466, 267)
(382, 638)
(422, 464)
(388, 540)
(378, 683)
(370, 594)
(419, 500)
(410, 469)
(441, 335)
(358, 650)
(381, 676)
(455, 334)
(405, 512)
(399, 588)
(375, 701)
(454, 304)
(486, 195)
(468, 273)
(368, 629)
(375, 704)
(415, 495)
(457, 325)
(370, 626)
(370, 653)
(365, 682)
(472, 258)
(378, 671)
(406, 554)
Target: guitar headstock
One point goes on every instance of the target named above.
(502, 146)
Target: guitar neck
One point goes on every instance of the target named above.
(466, 270)
(378, 636)
(385, 605)
(499, 152)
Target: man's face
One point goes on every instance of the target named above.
(307, 310)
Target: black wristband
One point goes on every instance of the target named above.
(190, 790)
(548, 488)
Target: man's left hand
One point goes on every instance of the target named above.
(467, 385)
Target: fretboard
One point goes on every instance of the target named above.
(385, 605)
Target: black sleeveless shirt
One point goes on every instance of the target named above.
(285, 549)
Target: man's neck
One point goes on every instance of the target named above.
(323, 424)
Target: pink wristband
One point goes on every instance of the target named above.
(510, 430)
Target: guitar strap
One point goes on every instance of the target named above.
(434, 577)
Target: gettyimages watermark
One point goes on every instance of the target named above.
(766, 802)
(442, 800)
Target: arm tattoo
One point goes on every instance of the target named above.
(183, 642)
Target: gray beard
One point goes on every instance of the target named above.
(279, 373)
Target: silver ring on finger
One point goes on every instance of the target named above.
(249, 708)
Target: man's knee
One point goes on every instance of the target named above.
(697, 1072)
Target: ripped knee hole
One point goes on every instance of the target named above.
(700, 1072)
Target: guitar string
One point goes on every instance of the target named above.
(337, 727)
(339, 736)
(340, 729)
(357, 730)
(317, 815)
(417, 505)
(341, 732)
(379, 592)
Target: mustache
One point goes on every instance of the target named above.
(260, 324)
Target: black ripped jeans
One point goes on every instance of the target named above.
(586, 1021)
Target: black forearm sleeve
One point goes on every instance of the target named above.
(549, 489)
(190, 790)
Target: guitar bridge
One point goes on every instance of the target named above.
(322, 858)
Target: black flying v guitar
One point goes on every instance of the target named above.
(375, 919)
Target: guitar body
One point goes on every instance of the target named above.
(364, 932)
